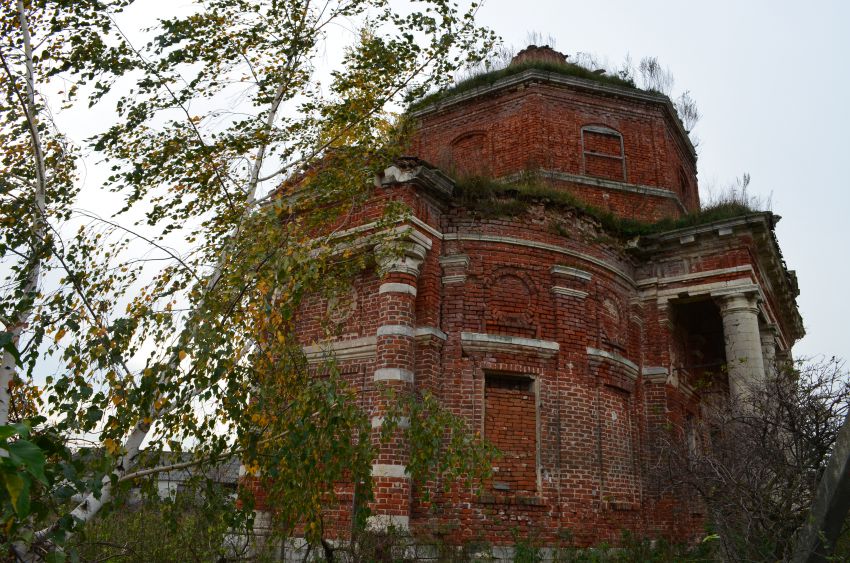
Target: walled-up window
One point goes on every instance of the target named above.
(617, 453)
(510, 423)
(603, 153)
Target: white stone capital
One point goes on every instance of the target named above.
(738, 302)
(403, 257)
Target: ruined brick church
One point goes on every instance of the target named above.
(572, 349)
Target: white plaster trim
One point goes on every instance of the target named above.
(425, 227)
(394, 374)
(489, 343)
(409, 234)
(695, 276)
(558, 290)
(397, 288)
(631, 367)
(573, 272)
(383, 522)
(457, 278)
(423, 332)
(395, 330)
(387, 470)
(458, 260)
(341, 350)
(540, 246)
(378, 421)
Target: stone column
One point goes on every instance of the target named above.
(399, 265)
(744, 360)
(768, 350)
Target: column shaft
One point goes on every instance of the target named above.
(744, 360)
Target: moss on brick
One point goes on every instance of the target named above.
(489, 198)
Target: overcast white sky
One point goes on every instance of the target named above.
(771, 79)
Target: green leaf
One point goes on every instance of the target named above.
(30, 456)
(7, 344)
(18, 487)
(55, 557)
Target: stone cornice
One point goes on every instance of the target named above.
(417, 172)
(473, 342)
(572, 82)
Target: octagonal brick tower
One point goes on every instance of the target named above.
(573, 348)
(614, 146)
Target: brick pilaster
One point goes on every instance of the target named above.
(394, 377)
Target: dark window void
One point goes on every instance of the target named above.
(700, 349)
(603, 153)
(510, 423)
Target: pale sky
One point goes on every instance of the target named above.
(771, 79)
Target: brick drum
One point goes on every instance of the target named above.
(573, 351)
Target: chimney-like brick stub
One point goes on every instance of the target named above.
(541, 54)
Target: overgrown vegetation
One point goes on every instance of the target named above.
(488, 77)
(490, 198)
(755, 464)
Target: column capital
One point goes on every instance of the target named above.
(400, 256)
(738, 302)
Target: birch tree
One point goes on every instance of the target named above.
(238, 141)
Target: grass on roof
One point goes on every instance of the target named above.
(492, 199)
(488, 78)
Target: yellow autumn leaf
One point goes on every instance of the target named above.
(182, 355)
(110, 445)
(59, 335)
